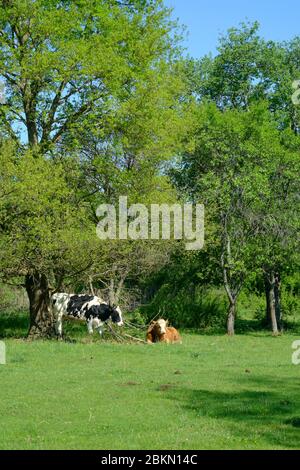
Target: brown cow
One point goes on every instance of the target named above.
(160, 332)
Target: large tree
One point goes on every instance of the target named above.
(76, 72)
(45, 234)
(248, 179)
(248, 70)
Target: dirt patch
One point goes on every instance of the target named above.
(165, 387)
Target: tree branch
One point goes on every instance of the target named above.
(72, 119)
(47, 125)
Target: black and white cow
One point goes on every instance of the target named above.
(88, 308)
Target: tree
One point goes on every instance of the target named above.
(276, 218)
(44, 232)
(65, 62)
(249, 70)
(73, 69)
(233, 78)
(232, 170)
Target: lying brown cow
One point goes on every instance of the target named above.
(160, 332)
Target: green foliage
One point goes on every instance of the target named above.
(290, 302)
(248, 69)
(100, 103)
(245, 170)
(233, 78)
(12, 299)
(13, 324)
(102, 68)
(136, 318)
(95, 90)
(205, 309)
(42, 225)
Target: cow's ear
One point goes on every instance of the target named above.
(167, 322)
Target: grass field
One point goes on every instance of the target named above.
(211, 392)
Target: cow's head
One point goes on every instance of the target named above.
(116, 315)
(161, 326)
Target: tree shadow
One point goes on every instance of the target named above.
(14, 325)
(257, 418)
(244, 327)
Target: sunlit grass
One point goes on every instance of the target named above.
(211, 392)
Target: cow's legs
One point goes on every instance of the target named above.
(95, 323)
(58, 326)
(90, 326)
(98, 325)
(100, 330)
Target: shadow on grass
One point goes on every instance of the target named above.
(14, 325)
(256, 418)
(250, 326)
(242, 327)
(245, 327)
(258, 328)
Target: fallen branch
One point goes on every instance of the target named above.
(135, 326)
(118, 337)
(135, 339)
(154, 318)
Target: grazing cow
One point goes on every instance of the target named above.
(91, 309)
(160, 332)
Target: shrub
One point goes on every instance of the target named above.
(207, 308)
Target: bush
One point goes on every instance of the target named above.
(290, 304)
(253, 306)
(207, 308)
(136, 318)
(12, 299)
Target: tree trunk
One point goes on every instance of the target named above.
(231, 318)
(116, 287)
(268, 305)
(273, 313)
(232, 293)
(278, 301)
(111, 292)
(41, 321)
(273, 310)
(272, 303)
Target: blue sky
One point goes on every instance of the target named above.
(206, 20)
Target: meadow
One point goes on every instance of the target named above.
(211, 392)
(114, 135)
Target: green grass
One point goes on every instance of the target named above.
(211, 392)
